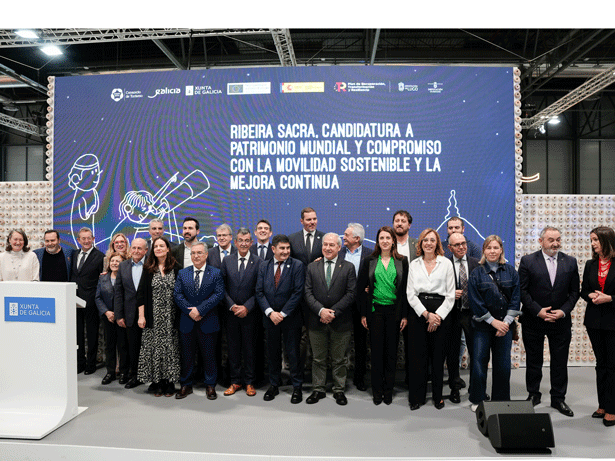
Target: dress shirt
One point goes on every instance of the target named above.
(17, 265)
(554, 263)
(404, 248)
(187, 257)
(275, 268)
(202, 269)
(354, 257)
(137, 271)
(222, 255)
(83, 255)
(264, 250)
(441, 281)
(245, 264)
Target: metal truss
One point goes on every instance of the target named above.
(8, 38)
(20, 125)
(590, 87)
(284, 46)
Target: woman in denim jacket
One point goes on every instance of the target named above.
(494, 295)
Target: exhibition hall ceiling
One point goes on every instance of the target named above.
(550, 59)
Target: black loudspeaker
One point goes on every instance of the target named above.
(521, 432)
(486, 409)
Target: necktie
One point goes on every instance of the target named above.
(308, 245)
(552, 270)
(225, 253)
(82, 257)
(278, 273)
(328, 273)
(463, 284)
(197, 279)
(242, 268)
(261, 251)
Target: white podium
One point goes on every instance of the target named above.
(38, 358)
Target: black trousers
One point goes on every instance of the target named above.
(133, 346)
(559, 344)
(458, 320)
(115, 346)
(383, 337)
(360, 347)
(603, 343)
(88, 318)
(425, 349)
(241, 335)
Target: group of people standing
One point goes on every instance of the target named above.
(163, 307)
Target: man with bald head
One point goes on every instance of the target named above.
(126, 313)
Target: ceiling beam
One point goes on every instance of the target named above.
(20, 125)
(284, 46)
(169, 54)
(31, 83)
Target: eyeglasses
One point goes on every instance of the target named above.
(459, 245)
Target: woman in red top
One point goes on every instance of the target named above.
(597, 289)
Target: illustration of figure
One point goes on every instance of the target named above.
(453, 210)
(140, 207)
(83, 178)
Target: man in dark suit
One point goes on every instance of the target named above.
(306, 245)
(156, 229)
(126, 312)
(190, 231)
(262, 247)
(330, 290)
(279, 289)
(549, 291)
(460, 317)
(355, 252)
(55, 260)
(456, 225)
(199, 288)
(87, 265)
(239, 271)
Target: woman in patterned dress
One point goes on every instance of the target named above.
(159, 356)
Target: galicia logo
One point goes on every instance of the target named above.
(117, 94)
(13, 309)
(165, 91)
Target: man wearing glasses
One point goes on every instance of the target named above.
(460, 317)
(455, 225)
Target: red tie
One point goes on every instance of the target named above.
(278, 273)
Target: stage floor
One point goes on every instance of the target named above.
(122, 423)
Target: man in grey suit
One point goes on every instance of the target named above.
(125, 305)
(330, 285)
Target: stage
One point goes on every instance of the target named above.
(121, 423)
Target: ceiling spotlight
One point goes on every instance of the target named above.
(554, 120)
(26, 33)
(51, 50)
(11, 108)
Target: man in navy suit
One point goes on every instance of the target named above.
(306, 245)
(199, 288)
(126, 312)
(86, 267)
(279, 290)
(239, 271)
(460, 317)
(55, 259)
(355, 252)
(262, 247)
(549, 291)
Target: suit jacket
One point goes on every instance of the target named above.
(210, 293)
(365, 253)
(472, 264)
(268, 254)
(339, 296)
(68, 253)
(367, 279)
(104, 294)
(126, 294)
(600, 316)
(240, 291)
(537, 292)
(298, 250)
(287, 296)
(87, 278)
(213, 256)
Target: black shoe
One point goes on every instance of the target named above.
(455, 397)
(414, 406)
(340, 398)
(152, 388)
(133, 382)
(534, 398)
(608, 422)
(80, 369)
(598, 414)
(315, 397)
(457, 383)
(89, 370)
(122, 378)
(387, 399)
(360, 385)
(562, 408)
(439, 405)
(271, 393)
(108, 378)
(297, 396)
(377, 399)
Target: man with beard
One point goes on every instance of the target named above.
(181, 252)
(549, 291)
(54, 260)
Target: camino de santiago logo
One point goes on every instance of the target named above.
(41, 310)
